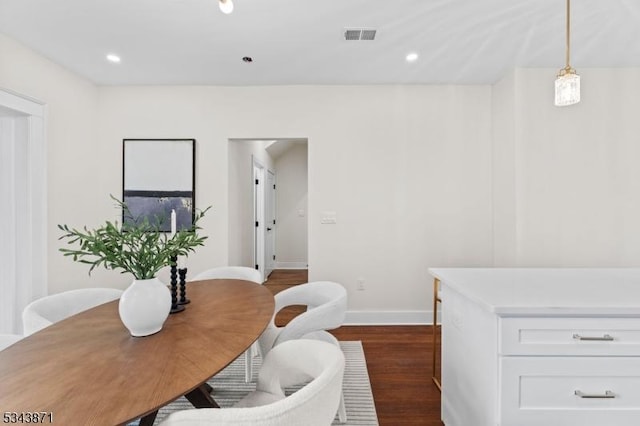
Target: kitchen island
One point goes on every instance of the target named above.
(531, 347)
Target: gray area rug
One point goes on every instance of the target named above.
(229, 387)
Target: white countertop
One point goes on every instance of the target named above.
(543, 291)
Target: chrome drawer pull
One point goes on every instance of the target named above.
(605, 338)
(607, 395)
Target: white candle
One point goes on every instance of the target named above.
(182, 262)
(173, 222)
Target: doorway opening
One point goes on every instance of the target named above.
(23, 218)
(268, 203)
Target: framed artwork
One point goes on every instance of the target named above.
(158, 175)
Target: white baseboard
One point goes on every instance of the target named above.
(390, 318)
(291, 265)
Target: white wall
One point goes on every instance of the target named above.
(418, 176)
(240, 201)
(504, 125)
(292, 199)
(407, 169)
(78, 166)
(576, 181)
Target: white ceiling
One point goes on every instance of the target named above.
(301, 41)
(277, 148)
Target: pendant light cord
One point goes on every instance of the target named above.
(568, 31)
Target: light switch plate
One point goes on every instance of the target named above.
(328, 218)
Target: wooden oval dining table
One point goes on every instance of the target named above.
(88, 370)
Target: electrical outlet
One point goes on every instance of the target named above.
(360, 285)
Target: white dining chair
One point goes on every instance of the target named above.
(230, 272)
(326, 303)
(318, 364)
(330, 338)
(7, 340)
(236, 273)
(50, 309)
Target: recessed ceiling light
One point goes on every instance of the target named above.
(412, 57)
(113, 58)
(226, 6)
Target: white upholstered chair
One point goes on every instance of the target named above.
(326, 303)
(50, 309)
(291, 363)
(7, 340)
(236, 273)
(230, 272)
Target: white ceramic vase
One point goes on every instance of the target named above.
(145, 306)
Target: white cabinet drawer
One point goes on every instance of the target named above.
(542, 391)
(570, 336)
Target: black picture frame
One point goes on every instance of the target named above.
(159, 175)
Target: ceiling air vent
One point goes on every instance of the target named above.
(359, 34)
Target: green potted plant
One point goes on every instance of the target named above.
(141, 248)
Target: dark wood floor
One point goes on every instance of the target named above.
(398, 360)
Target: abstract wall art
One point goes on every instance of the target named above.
(158, 177)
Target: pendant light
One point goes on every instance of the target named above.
(568, 81)
(226, 6)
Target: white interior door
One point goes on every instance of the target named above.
(24, 210)
(270, 217)
(258, 216)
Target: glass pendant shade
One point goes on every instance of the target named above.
(567, 88)
(226, 6)
(568, 81)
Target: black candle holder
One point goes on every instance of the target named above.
(182, 272)
(175, 307)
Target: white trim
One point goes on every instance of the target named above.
(21, 103)
(291, 265)
(24, 163)
(269, 215)
(390, 318)
(257, 174)
(8, 285)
